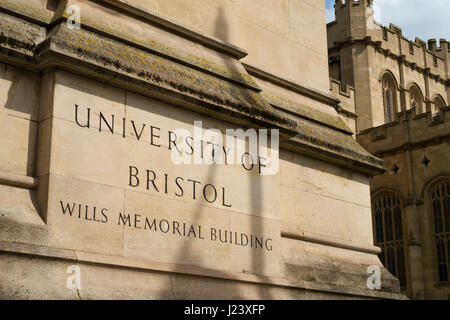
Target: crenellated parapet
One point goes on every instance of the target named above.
(350, 12)
(355, 24)
(409, 131)
(427, 58)
(346, 95)
(346, 107)
(440, 49)
(339, 4)
(419, 71)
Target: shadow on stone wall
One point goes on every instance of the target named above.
(21, 110)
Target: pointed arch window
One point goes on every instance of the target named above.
(439, 103)
(389, 85)
(440, 199)
(388, 104)
(416, 98)
(388, 232)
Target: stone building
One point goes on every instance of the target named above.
(399, 90)
(93, 95)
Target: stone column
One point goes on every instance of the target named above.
(401, 62)
(416, 288)
(402, 89)
(427, 100)
(414, 248)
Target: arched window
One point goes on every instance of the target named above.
(416, 99)
(440, 199)
(388, 233)
(439, 103)
(389, 86)
(388, 104)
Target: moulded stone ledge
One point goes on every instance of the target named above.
(332, 242)
(40, 254)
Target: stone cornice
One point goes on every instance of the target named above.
(329, 241)
(413, 146)
(38, 18)
(382, 132)
(307, 113)
(45, 18)
(292, 85)
(346, 113)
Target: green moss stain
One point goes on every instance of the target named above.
(27, 9)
